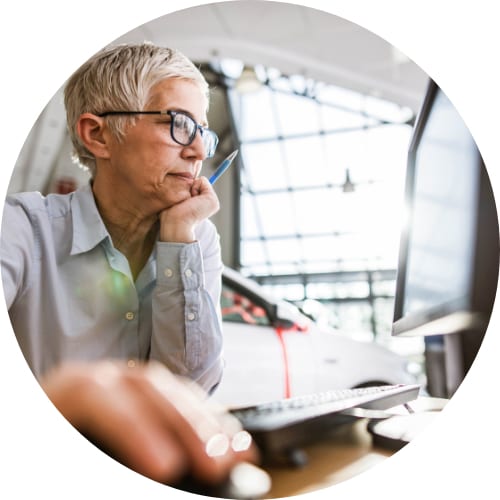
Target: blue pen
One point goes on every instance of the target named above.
(223, 167)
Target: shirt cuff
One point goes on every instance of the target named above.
(179, 264)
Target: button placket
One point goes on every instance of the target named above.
(191, 277)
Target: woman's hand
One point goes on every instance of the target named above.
(157, 424)
(177, 223)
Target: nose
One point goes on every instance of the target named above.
(197, 148)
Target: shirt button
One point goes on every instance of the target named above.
(188, 273)
(168, 272)
(130, 315)
(191, 316)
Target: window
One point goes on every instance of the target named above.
(236, 308)
(322, 184)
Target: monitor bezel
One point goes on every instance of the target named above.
(470, 311)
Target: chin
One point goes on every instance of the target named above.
(175, 198)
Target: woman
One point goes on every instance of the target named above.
(110, 284)
(129, 266)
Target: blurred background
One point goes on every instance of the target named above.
(321, 111)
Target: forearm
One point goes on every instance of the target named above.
(186, 333)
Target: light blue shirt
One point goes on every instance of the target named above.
(71, 294)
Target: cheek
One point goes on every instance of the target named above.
(156, 162)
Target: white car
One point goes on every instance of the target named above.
(273, 351)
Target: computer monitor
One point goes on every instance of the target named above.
(449, 250)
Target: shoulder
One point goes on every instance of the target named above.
(33, 204)
(18, 211)
(24, 201)
(30, 218)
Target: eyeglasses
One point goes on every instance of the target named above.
(182, 128)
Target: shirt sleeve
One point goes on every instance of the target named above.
(187, 332)
(17, 250)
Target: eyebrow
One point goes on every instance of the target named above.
(204, 123)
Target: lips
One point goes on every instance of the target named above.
(187, 176)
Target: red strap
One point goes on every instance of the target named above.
(279, 332)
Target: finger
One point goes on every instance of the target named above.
(124, 423)
(102, 403)
(200, 185)
(141, 442)
(203, 185)
(195, 189)
(213, 441)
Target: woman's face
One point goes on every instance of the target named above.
(147, 163)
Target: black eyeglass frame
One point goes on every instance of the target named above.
(172, 114)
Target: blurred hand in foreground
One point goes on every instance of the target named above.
(150, 420)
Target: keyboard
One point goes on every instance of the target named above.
(280, 427)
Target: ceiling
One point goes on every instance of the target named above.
(293, 39)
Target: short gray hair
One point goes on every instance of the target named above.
(121, 78)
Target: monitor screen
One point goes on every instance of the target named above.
(448, 262)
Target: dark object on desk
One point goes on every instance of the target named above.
(397, 431)
(245, 482)
(279, 428)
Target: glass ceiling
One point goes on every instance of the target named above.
(296, 150)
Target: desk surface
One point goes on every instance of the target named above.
(344, 454)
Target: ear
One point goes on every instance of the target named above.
(94, 134)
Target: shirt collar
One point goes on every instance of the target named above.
(88, 228)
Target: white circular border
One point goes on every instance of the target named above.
(43, 42)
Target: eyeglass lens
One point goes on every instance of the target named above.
(184, 131)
